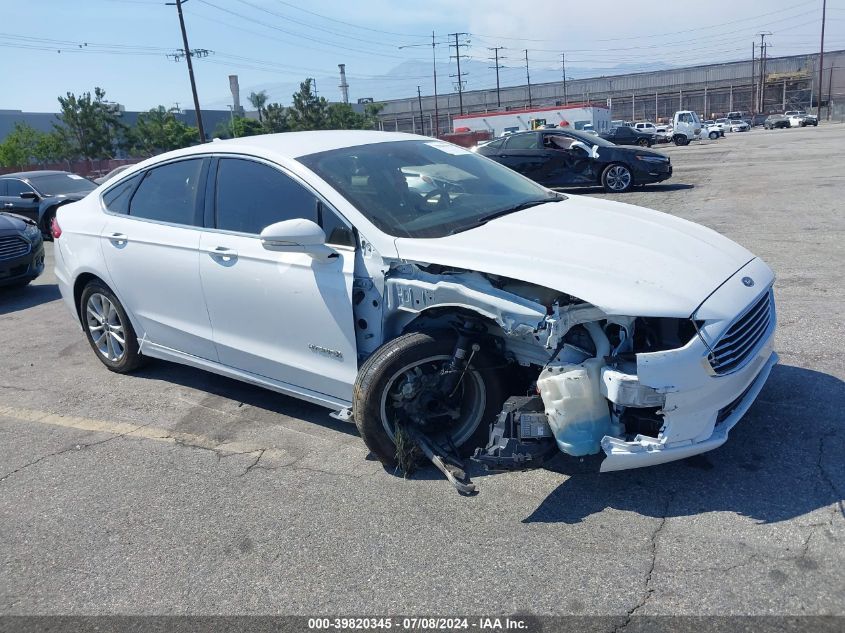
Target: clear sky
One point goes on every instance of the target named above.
(50, 47)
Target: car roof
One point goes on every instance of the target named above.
(32, 174)
(297, 144)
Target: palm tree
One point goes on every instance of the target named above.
(258, 99)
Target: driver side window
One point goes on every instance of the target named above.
(251, 196)
(16, 187)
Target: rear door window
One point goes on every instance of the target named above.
(117, 198)
(522, 141)
(169, 193)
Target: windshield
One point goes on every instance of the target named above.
(57, 184)
(425, 189)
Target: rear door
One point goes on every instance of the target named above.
(286, 316)
(524, 153)
(151, 246)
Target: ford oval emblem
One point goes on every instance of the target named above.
(747, 281)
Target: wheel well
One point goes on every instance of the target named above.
(444, 316)
(79, 285)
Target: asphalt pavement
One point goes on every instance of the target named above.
(175, 491)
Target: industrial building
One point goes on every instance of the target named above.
(790, 83)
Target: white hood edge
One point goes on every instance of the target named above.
(623, 259)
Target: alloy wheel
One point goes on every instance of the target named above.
(105, 327)
(618, 178)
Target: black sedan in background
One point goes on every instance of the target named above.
(21, 250)
(37, 194)
(567, 158)
(624, 135)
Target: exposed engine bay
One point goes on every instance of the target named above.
(579, 388)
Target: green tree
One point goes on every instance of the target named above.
(341, 116)
(158, 130)
(237, 127)
(308, 112)
(92, 125)
(19, 147)
(258, 99)
(276, 119)
(54, 147)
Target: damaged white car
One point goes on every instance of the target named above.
(426, 292)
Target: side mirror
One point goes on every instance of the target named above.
(296, 236)
(29, 195)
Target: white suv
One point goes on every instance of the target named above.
(416, 286)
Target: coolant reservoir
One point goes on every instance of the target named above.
(576, 409)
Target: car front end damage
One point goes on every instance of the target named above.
(642, 390)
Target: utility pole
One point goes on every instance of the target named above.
(563, 72)
(821, 67)
(495, 59)
(761, 94)
(434, 69)
(457, 57)
(753, 81)
(188, 54)
(419, 99)
(528, 77)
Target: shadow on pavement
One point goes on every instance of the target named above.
(656, 188)
(15, 299)
(783, 460)
(245, 393)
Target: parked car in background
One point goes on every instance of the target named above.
(663, 133)
(114, 172)
(723, 125)
(310, 269)
(21, 250)
(646, 126)
(37, 194)
(739, 115)
(567, 158)
(624, 135)
(775, 121)
(758, 119)
(738, 125)
(799, 118)
(710, 130)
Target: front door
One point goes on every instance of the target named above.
(152, 255)
(280, 315)
(10, 198)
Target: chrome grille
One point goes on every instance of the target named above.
(740, 341)
(13, 246)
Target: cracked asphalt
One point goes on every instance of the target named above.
(175, 491)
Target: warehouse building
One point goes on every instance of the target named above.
(791, 83)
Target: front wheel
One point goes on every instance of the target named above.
(400, 385)
(108, 329)
(713, 136)
(681, 140)
(617, 178)
(643, 142)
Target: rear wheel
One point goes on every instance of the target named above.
(617, 178)
(108, 329)
(681, 140)
(399, 386)
(643, 142)
(713, 136)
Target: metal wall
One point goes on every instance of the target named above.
(712, 89)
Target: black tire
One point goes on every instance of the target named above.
(681, 140)
(643, 142)
(46, 223)
(611, 174)
(131, 357)
(381, 371)
(713, 136)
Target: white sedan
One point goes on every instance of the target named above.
(304, 263)
(738, 125)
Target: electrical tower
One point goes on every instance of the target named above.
(457, 57)
(495, 59)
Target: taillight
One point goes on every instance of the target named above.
(55, 229)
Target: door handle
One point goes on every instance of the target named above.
(222, 252)
(119, 239)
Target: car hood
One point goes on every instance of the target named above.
(12, 222)
(623, 259)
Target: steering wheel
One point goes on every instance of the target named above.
(443, 199)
